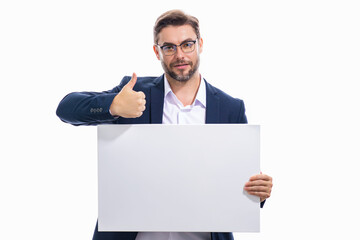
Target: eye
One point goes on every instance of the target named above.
(169, 48)
(187, 45)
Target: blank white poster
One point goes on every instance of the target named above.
(177, 178)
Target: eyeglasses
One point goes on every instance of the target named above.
(186, 47)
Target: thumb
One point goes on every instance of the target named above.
(132, 81)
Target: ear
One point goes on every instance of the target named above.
(156, 52)
(200, 45)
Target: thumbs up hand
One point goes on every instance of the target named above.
(128, 103)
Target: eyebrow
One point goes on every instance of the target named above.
(186, 40)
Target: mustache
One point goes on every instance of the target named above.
(180, 63)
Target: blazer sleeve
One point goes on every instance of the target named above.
(242, 116)
(242, 119)
(88, 108)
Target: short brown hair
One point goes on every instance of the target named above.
(175, 18)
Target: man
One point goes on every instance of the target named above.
(180, 96)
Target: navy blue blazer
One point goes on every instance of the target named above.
(92, 108)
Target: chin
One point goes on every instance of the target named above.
(181, 78)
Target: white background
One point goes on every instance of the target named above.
(296, 64)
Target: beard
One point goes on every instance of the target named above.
(182, 76)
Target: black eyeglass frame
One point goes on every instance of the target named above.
(176, 47)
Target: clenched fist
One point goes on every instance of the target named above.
(259, 185)
(128, 103)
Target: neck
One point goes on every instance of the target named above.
(185, 91)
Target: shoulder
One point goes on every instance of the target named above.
(232, 110)
(223, 97)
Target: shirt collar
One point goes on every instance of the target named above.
(200, 96)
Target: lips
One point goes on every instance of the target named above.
(180, 65)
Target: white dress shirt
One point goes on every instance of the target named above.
(175, 113)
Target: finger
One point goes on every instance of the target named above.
(141, 102)
(258, 189)
(141, 95)
(139, 114)
(140, 110)
(258, 183)
(135, 115)
(262, 195)
(132, 81)
(260, 177)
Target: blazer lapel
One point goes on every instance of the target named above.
(212, 114)
(212, 105)
(157, 100)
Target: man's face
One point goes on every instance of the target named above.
(180, 66)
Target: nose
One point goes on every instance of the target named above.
(179, 53)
